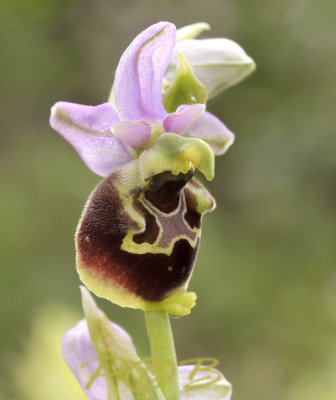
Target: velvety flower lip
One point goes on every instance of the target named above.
(107, 136)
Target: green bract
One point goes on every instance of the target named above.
(124, 372)
(102, 357)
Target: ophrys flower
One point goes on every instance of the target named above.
(139, 233)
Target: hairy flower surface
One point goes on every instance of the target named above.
(139, 234)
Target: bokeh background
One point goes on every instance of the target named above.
(265, 276)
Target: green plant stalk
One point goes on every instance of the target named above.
(163, 353)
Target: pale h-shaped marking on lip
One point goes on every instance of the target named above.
(173, 221)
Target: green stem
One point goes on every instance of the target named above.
(163, 353)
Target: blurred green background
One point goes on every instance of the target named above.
(265, 276)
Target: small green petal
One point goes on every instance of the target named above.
(185, 88)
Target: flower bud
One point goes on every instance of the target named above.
(217, 63)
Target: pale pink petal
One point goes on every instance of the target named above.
(88, 130)
(139, 75)
(213, 131)
(82, 359)
(183, 118)
(134, 133)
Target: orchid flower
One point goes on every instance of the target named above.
(103, 359)
(110, 135)
(139, 234)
